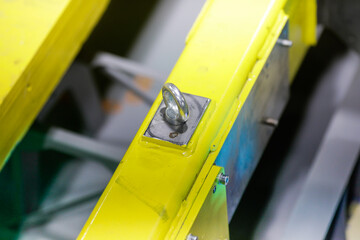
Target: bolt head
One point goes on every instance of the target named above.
(223, 179)
(191, 237)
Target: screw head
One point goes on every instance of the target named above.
(270, 122)
(223, 179)
(191, 237)
(284, 42)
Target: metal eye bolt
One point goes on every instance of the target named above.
(177, 110)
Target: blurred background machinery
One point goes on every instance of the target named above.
(282, 121)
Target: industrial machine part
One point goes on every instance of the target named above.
(235, 71)
(241, 55)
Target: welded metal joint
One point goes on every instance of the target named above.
(223, 179)
(177, 110)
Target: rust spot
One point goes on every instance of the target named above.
(173, 134)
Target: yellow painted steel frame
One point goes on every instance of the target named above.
(156, 184)
(38, 41)
(208, 217)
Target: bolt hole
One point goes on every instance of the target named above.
(28, 87)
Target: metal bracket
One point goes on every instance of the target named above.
(161, 128)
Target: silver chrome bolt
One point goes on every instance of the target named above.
(284, 42)
(191, 237)
(223, 179)
(270, 122)
(177, 110)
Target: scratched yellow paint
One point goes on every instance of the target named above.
(38, 40)
(152, 192)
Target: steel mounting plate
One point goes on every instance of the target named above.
(159, 128)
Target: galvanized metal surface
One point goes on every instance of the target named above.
(251, 132)
(160, 128)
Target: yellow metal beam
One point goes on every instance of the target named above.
(153, 190)
(302, 21)
(38, 41)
